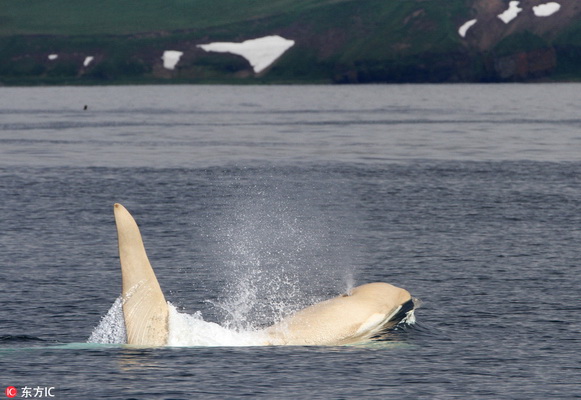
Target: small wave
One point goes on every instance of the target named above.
(11, 342)
(20, 339)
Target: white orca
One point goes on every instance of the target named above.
(365, 312)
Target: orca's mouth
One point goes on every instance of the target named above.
(403, 312)
(403, 315)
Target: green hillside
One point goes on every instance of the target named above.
(123, 17)
(336, 41)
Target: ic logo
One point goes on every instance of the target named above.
(11, 391)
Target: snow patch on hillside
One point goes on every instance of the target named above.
(467, 25)
(511, 12)
(171, 58)
(547, 9)
(88, 60)
(260, 53)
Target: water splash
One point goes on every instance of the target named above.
(280, 252)
(111, 328)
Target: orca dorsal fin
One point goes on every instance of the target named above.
(144, 307)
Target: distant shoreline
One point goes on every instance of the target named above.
(323, 42)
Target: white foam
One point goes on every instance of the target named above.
(184, 330)
(192, 330)
(410, 318)
(511, 12)
(53, 57)
(547, 9)
(467, 25)
(260, 53)
(88, 61)
(171, 58)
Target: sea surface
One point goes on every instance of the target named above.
(255, 201)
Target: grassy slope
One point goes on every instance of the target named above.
(124, 17)
(121, 17)
(369, 31)
(390, 39)
(568, 46)
(384, 39)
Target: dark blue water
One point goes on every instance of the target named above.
(467, 196)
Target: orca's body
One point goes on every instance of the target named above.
(364, 313)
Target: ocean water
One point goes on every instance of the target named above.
(254, 202)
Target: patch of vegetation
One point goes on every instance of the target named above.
(520, 42)
(123, 17)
